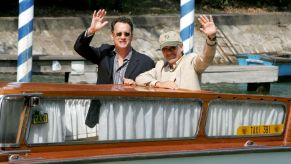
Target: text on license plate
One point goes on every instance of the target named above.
(260, 129)
(38, 118)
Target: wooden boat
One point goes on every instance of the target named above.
(51, 123)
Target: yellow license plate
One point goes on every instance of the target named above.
(260, 129)
(38, 118)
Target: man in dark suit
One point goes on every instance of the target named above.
(118, 63)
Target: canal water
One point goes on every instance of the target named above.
(281, 88)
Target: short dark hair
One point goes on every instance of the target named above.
(122, 20)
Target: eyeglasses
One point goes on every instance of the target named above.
(170, 48)
(119, 34)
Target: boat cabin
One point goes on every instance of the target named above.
(42, 122)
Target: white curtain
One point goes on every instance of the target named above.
(54, 130)
(137, 119)
(225, 117)
(66, 121)
(120, 119)
(75, 115)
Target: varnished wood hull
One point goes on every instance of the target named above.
(200, 148)
(220, 156)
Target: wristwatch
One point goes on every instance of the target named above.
(212, 39)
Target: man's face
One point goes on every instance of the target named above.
(122, 35)
(172, 53)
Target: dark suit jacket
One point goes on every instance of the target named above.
(103, 56)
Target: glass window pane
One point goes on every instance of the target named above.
(10, 112)
(114, 118)
(244, 118)
(50, 129)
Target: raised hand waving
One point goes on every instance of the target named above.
(207, 25)
(97, 22)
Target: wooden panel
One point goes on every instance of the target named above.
(287, 137)
(54, 89)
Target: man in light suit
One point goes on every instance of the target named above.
(118, 63)
(178, 70)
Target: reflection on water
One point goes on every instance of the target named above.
(277, 89)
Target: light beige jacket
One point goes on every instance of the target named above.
(187, 72)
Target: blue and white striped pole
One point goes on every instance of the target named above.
(25, 28)
(187, 25)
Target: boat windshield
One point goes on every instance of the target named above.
(10, 112)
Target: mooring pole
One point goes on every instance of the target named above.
(25, 30)
(187, 25)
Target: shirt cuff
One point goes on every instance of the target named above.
(87, 34)
(153, 83)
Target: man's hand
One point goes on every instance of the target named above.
(128, 82)
(97, 21)
(207, 26)
(167, 85)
